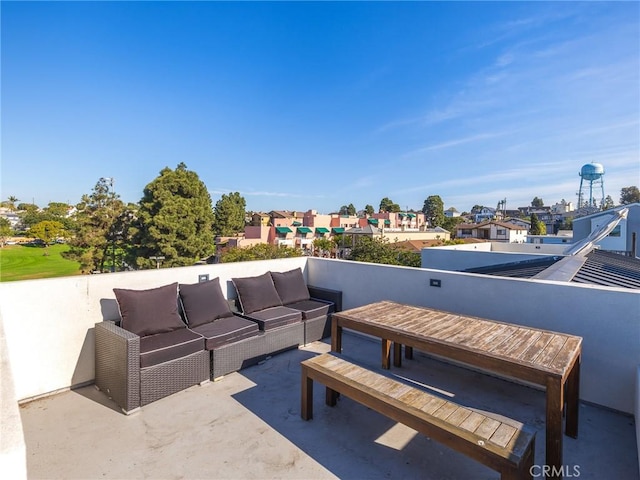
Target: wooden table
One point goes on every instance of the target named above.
(542, 357)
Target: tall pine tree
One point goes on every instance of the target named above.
(174, 220)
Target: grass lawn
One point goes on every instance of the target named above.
(19, 262)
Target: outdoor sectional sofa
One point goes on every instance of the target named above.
(175, 336)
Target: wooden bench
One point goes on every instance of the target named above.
(501, 444)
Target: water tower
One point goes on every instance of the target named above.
(591, 176)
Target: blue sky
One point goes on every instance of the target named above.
(317, 105)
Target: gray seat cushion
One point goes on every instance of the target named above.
(226, 330)
(164, 347)
(275, 317)
(311, 308)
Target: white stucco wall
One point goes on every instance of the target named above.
(49, 324)
(608, 319)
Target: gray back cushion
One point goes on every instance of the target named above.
(147, 312)
(203, 302)
(256, 293)
(290, 286)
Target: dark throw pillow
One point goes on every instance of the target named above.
(203, 302)
(147, 312)
(256, 293)
(290, 286)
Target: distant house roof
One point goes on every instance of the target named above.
(597, 268)
(416, 245)
(488, 224)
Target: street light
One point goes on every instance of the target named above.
(110, 189)
(158, 260)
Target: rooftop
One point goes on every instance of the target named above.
(248, 425)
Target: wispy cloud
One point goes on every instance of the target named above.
(257, 193)
(455, 143)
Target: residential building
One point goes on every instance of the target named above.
(624, 237)
(485, 213)
(493, 231)
(451, 212)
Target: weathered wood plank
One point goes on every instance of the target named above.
(551, 350)
(487, 428)
(503, 434)
(472, 422)
(531, 353)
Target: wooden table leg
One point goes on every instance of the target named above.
(408, 352)
(330, 397)
(336, 336)
(397, 354)
(386, 354)
(553, 437)
(306, 397)
(573, 398)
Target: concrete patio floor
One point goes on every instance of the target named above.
(248, 425)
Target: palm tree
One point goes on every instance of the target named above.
(12, 202)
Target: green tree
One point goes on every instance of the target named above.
(5, 231)
(260, 251)
(347, 209)
(379, 250)
(450, 224)
(608, 203)
(323, 246)
(174, 220)
(98, 230)
(433, 210)
(537, 202)
(229, 215)
(629, 195)
(369, 210)
(12, 202)
(48, 231)
(387, 205)
(537, 226)
(477, 208)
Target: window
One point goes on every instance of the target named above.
(501, 231)
(615, 232)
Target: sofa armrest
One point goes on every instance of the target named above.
(117, 356)
(334, 296)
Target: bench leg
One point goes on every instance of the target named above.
(331, 397)
(306, 396)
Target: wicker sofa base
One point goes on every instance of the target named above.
(165, 379)
(317, 328)
(119, 376)
(235, 356)
(238, 355)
